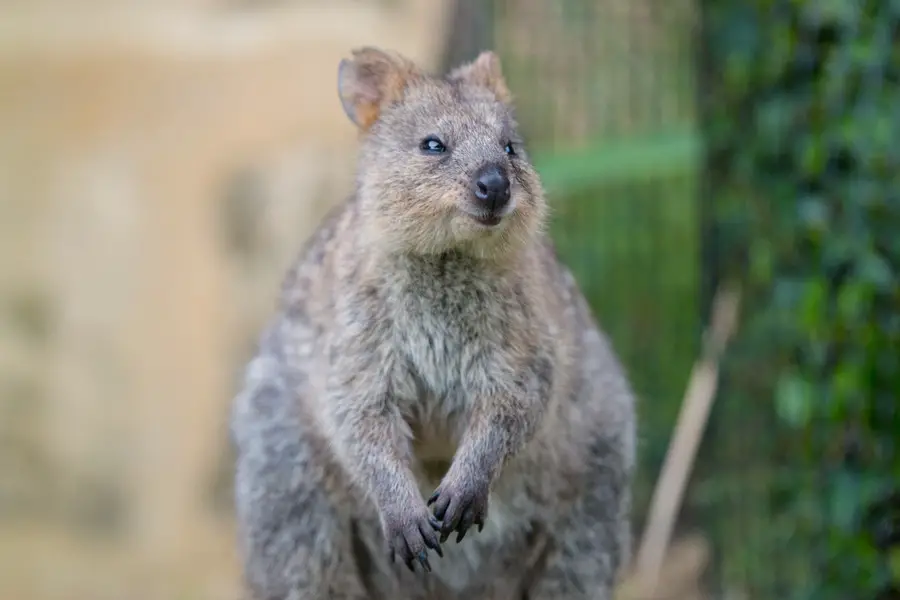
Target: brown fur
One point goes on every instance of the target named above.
(420, 355)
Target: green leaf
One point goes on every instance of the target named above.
(874, 269)
(793, 397)
(894, 564)
(814, 303)
(853, 300)
(845, 503)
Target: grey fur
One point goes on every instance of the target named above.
(417, 351)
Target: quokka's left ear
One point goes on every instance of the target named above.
(484, 71)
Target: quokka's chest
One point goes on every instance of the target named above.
(450, 321)
(448, 345)
(439, 364)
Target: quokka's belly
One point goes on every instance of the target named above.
(433, 452)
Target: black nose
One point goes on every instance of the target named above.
(492, 187)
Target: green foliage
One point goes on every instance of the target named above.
(803, 118)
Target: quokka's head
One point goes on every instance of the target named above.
(442, 165)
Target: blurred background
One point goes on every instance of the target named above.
(161, 162)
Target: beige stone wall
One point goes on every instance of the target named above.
(159, 164)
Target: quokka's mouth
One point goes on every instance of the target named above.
(487, 220)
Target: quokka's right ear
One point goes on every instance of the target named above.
(371, 81)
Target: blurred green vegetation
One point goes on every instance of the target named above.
(798, 480)
(605, 94)
(803, 107)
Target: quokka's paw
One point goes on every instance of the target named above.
(410, 536)
(459, 504)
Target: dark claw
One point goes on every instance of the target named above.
(440, 509)
(440, 512)
(434, 545)
(465, 523)
(480, 522)
(456, 514)
(423, 558)
(430, 539)
(437, 549)
(434, 497)
(409, 564)
(435, 524)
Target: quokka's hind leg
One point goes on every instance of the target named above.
(296, 542)
(591, 542)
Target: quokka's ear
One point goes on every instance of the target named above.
(484, 71)
(371, 81)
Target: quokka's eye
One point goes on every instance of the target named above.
(508, 148)
(432, 145)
